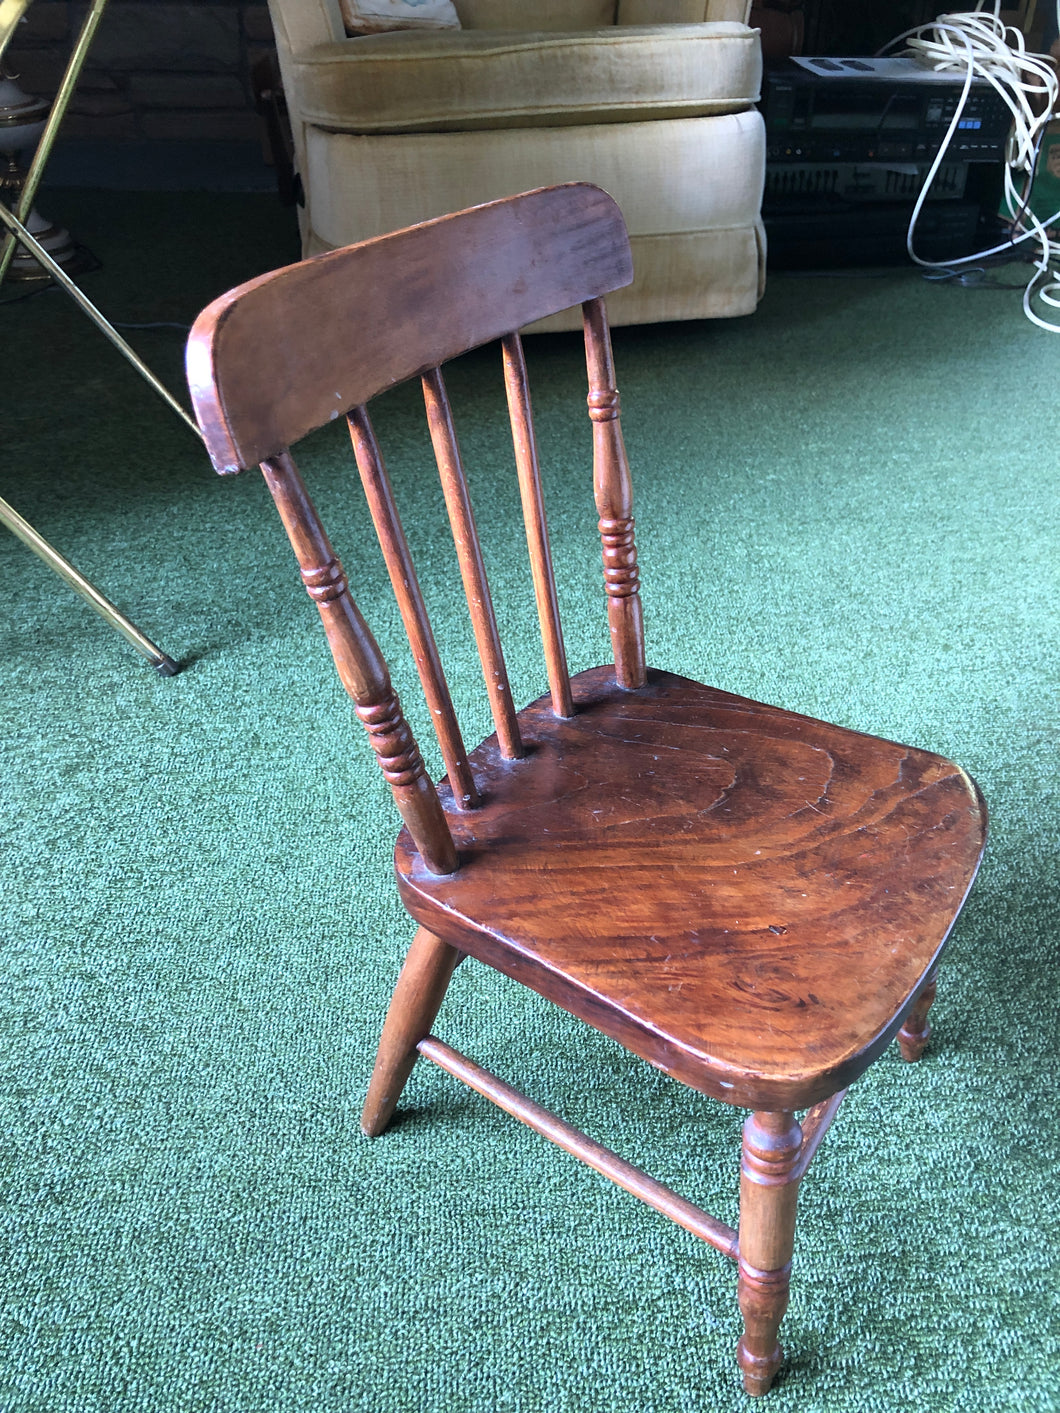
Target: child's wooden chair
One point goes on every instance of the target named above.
(751, 900)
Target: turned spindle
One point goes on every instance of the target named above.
(916, 1032)
(769, 1187)
(613, 490)
(361, 666)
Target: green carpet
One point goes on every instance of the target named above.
(846, 504)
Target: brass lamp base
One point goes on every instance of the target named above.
(22, 120)
(57, 242)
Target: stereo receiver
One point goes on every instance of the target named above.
(878, 110)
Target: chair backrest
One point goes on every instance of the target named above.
(288, 352)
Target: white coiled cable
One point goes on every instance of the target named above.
(979, 44)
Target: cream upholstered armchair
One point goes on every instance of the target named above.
(651, 99)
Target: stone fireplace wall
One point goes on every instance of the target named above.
(157, 70)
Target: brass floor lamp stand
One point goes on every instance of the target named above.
(88, 591)
(11, 12)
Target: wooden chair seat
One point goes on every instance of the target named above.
(753, 901)
(747, 898)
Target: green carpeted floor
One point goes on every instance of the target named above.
(847, 504)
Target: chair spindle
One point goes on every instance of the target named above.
(361, 666)
(517, 388)
(614, 502)
(472, 567)
(380, 495)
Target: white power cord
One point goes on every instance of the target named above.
(978, 44)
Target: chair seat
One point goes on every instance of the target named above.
(747, 898)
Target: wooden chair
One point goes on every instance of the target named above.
(752, 901)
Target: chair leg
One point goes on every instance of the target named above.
(916, 1032)
(417, 998)
(768, 1192)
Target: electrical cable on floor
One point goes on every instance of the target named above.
(86, 264)
(26, 294)
(155, 324)
(117, 323)
(979, 44)
(89, 264)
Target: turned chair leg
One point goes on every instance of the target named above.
(769, 1187)
(419, 993)
(916, 1032)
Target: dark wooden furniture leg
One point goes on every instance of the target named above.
(417, 999)
(916, 1032)
(769, 1187)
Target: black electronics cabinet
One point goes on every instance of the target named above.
(850, 143)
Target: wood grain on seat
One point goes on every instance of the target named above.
(745, 897)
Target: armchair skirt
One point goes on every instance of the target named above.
(698, 249)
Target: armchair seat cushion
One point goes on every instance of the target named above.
(453, 81)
